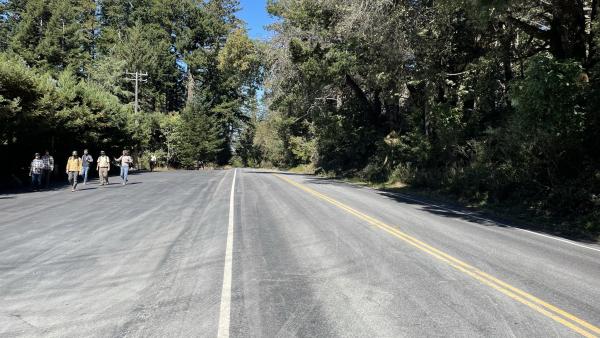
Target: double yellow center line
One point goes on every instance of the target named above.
(574, 323)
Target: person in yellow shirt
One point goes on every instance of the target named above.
(74, 167)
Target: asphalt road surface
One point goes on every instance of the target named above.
(245, 253)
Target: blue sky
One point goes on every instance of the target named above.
(254, 13)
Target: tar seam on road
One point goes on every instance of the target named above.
(225, 310)
(569, 320)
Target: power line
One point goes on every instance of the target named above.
(137, 78)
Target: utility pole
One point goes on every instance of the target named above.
(137, 78)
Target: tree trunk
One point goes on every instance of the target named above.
(418, 95)
(567, 31)
(591, 57)
(507, 38)
(373, 109)
(567, 36)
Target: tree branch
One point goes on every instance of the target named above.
(532, 52)
(530, 29)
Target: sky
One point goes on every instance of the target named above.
(254, 13)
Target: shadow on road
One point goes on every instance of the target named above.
(282, 173)
(93, 184)
(54, 186)
(96, 186)
(439, 208)
(507, 219)
(449, 209)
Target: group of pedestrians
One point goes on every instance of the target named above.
(42, 168)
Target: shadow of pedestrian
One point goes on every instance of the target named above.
(55, 186)
(86, 188)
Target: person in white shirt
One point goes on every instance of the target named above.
(35, 171)
(103, 167)
(126, 162)
(153, 161)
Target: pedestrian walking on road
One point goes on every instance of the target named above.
(126, 162)
(74, 167)
(103, 167)
(86, 161)
(153, 161)
(48, 168)
(35, 171)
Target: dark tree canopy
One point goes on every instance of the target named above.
(63, 82)
(493, 101)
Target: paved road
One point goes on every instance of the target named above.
(174, 255)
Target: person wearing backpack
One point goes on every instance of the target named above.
(74, 167)
(126, 162)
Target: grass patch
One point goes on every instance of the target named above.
(306, 169)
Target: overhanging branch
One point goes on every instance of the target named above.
(530, 29)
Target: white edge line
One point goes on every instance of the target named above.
(225, 309)
(500, 223)
(482, 218)
(558, 239)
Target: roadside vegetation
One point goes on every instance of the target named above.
(493, 103)
(63, 81)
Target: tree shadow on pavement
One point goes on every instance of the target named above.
(406, 196)
(282, 173)
(506, 217)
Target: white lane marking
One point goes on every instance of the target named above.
(478, 217)
(558, 239)
(225, 311)
(500, 223)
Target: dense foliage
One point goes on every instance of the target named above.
(493, 101)
(63, 82)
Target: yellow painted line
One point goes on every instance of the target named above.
(569, 320)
